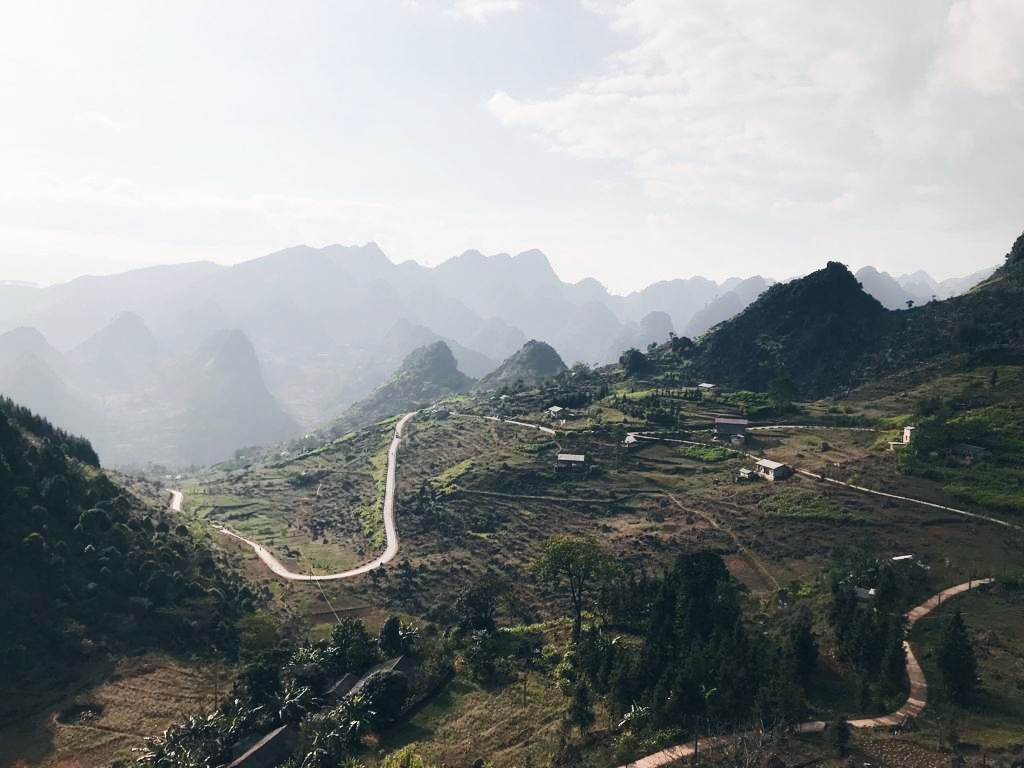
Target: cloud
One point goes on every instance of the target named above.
(802, 109)
(481, 11)
(95, 117)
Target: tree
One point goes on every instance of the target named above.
(477, 603)
(578, 562)
(352, 646)
(957, 662)
(391, 637)
(910, 303)
(581, 710)
(386, 694)
(633, 361)
(840, 736)
(803, 646)
(782, 390)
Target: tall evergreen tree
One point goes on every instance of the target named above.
(957, 662)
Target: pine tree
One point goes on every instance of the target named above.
(581, 711)
(957, 662)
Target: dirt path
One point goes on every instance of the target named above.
(943, 507)
(545, 430)
(916, 701)
(390, 528)
(740, 547)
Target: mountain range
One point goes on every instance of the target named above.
(143, 362)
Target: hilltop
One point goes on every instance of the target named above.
(427, 374)
(534, 364)
(814, 329)
(826, 333)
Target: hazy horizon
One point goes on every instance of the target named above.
(631, 142)
(111, 267)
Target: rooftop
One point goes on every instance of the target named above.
(738, 422)
(769, 464)
(571, 457)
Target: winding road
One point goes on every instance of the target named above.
(390, 527)
(916, 701)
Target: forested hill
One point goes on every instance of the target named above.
(85, 566)
(826, 333)
(813, 329)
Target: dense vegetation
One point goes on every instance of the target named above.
(292, 686)
(83, 566)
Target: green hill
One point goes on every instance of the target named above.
(534, 364)
(427, 374)
(827, 334)
(88, 569)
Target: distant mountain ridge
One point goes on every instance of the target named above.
(327, 325)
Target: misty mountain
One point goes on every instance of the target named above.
(120, 357)
(532, 365)
(886, 289)
(427, 374)
(740, 293)
(227, 404)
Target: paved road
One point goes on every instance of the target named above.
(914, 705)
(390, 528)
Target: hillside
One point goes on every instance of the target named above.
(814, 329)
(827, 333)
(88, 568)
(534, 364)
(427, 374)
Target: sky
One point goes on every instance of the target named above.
(630, 140)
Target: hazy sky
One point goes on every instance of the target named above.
(631, 140)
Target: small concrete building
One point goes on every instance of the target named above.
(908, 434)
(571, 461)
(706, 389)
(631, 441)
(773, 470)
(556, 412)
(729, 428)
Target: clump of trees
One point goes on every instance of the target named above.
(287, 687)
(869, 634)
(695, 666)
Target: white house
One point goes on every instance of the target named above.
(556, 411)
(773, 470)
(908, 434)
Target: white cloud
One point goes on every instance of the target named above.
(95, 117)
(802, 108)
(481, 11)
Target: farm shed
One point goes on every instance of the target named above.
(729, 428)
(571, 461)
(773, 470)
